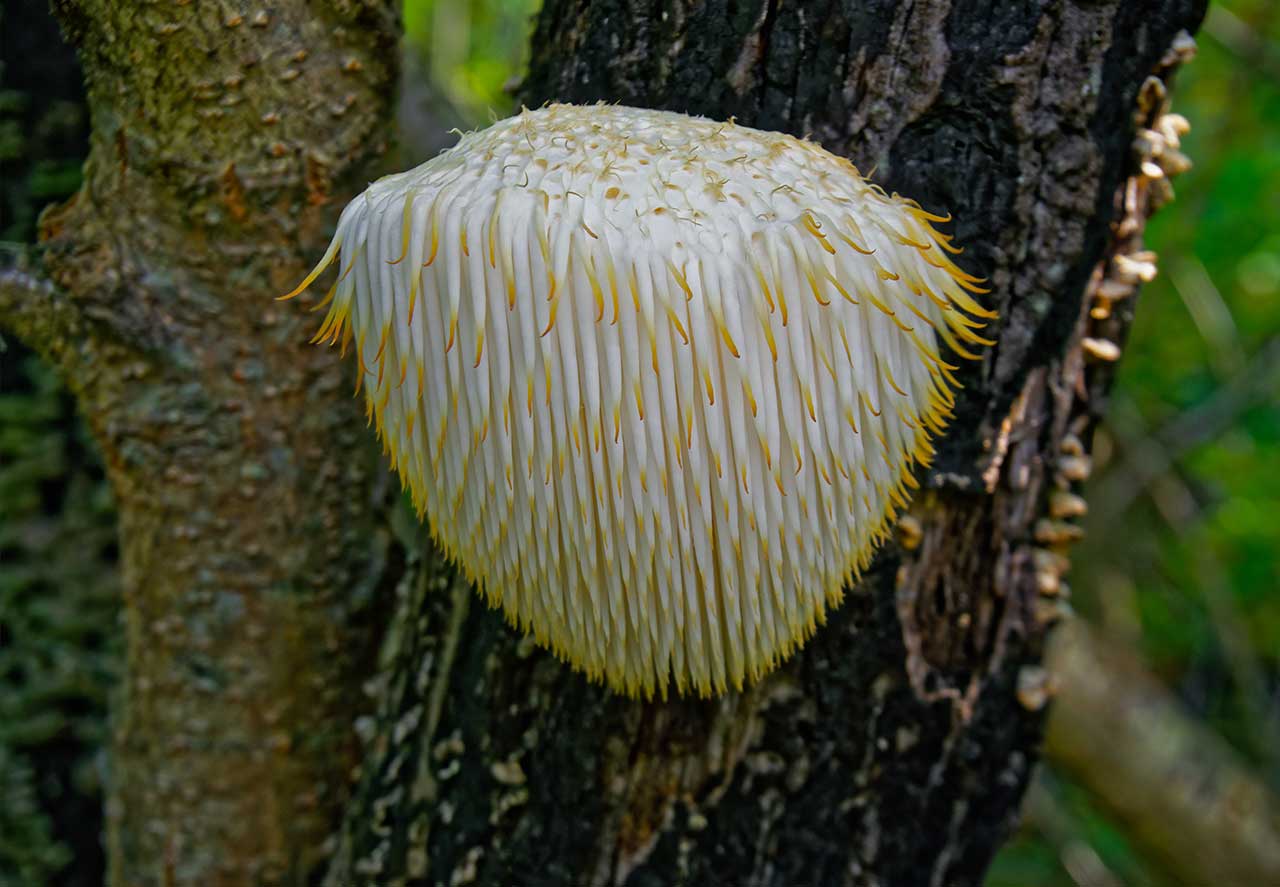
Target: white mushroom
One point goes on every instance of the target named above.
(657, 382)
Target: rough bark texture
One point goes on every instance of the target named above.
(895, 748)
(224, 140)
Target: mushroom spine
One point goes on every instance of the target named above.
(658, 383)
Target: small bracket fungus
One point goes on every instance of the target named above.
(657, 382)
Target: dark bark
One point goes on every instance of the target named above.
(894, 749)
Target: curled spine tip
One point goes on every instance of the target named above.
(325, 261)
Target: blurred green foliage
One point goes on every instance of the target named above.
(473, 51)
(59, 593)
(1198, 543)
(44, 124)
(59, 638)
(1180, 558)
(1214, 309)
(28, 852)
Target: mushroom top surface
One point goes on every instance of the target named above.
(672, 182)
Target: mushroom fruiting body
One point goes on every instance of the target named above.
(657, 382)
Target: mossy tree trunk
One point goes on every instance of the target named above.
(225, 137)
(893, 750)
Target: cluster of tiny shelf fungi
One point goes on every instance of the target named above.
(1157, 158)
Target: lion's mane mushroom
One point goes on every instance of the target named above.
(657, 382)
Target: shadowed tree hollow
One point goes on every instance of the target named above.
(270, 588)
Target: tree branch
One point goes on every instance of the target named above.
(251, 545)
(32, 308)
(1177, 787)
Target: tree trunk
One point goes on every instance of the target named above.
(894, 749)
(249, 494)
